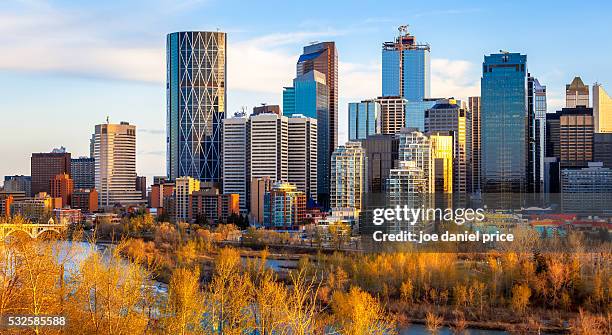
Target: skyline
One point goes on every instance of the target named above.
(118, 69)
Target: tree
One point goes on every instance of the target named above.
(358, 313)
(520, 297)
(184, 308)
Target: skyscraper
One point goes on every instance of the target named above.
(302, 154)
(406, 67)
(504, 124)
(309, 97)
(474, 106)
(323, 57)
(18, 184)
(115, 159)
(576, 94)
(602, 110)
(442, 152)
(448, 116)
(570, 136)
(536, 118)
(392, 114)
(348, 179)
(45, 166)
(62, 186)
(382, 154)
(268, 145)
(196, 100)
(235, 147)
(83, 172)
(364, 119)
(415, 146)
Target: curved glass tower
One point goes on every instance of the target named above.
(196, 82)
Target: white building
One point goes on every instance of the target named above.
(302, 154)
(348, 176)
(235, 159)
(115, 164)
(183, 187)
(268, 145)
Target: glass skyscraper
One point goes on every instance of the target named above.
(308, 97)
(196, 97)
(364, 119)
(504, 123)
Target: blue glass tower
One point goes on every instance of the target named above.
(504, 123)
(309, 97)
(364, 119)
(196, 97)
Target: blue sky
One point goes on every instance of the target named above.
(66, 65)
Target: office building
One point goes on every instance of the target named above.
(310, 98)
(85, 199)
(196, 102)
(62, 186)
(602, 148)
(536, 118)
(184, 187)
(364, 119)
(382, 155)
(348, 179)
(210, 206)
(141, 186)
(587, 190)
(18, 184)
(447, 116)
(302, 155)
(503, 116)
(569, 136)
(115, 165)
(83, 172)
(552, 175)
(264, 109)
(259, 186)
(442, 154)
(323, 57)
(235, 148)
(407, 185)
(415, 146)
(45, 166)
(602, 110)
(576, 94)
(406, 67)
(284, 207)
(268, 145)
(66, 215)
(415, 112)
(158, 195)
(36, 208)
(474, 106)
(392, 114)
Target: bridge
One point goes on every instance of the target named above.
(32, 229)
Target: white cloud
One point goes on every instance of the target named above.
(454, 78)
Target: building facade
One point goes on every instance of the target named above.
(208, 203)
(196, 100)
(45, 166)
(415, 146)
(115, 165)
(62, 186)
(576, 94)
(258, 189)
(302, 155)
(235, 147)
(569, 136)
(382, 156)
(284, 207)
(602, 110)
(602, 148)
(184, 187)
(349, 176)
(587, 190)
(536, 111)
(364, 119)
(83, 172)
(85, 199)
(503, 114)
(392, 114)
(474, 106)
(18, 184)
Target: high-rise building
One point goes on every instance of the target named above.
(576, 94)
(18, 184)
(115, 164)
(141, 186)
(415, 112)
(448, 116)
(62, 186)
(602, 148)
(503, 114)
(442, 153)
(267, 147)
(284, 206)
(83, 172)
(587, 190)
(407, 186)
(392, 114)
(602, 110)
(415, 146)
(536, 118)
(302, 155)
(258, 188)
(364, 119)
(184, 187)
(348, 179)
(235, 148)
(160, 193)
(196, 100)
(45, 166)
(382, 155)
(569, 136)
(406, 67)
(323, 57)
(474, 106)
(309, 97)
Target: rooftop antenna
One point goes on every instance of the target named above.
(107, 120)
(403, 30)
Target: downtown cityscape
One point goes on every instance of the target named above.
(286, 218)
